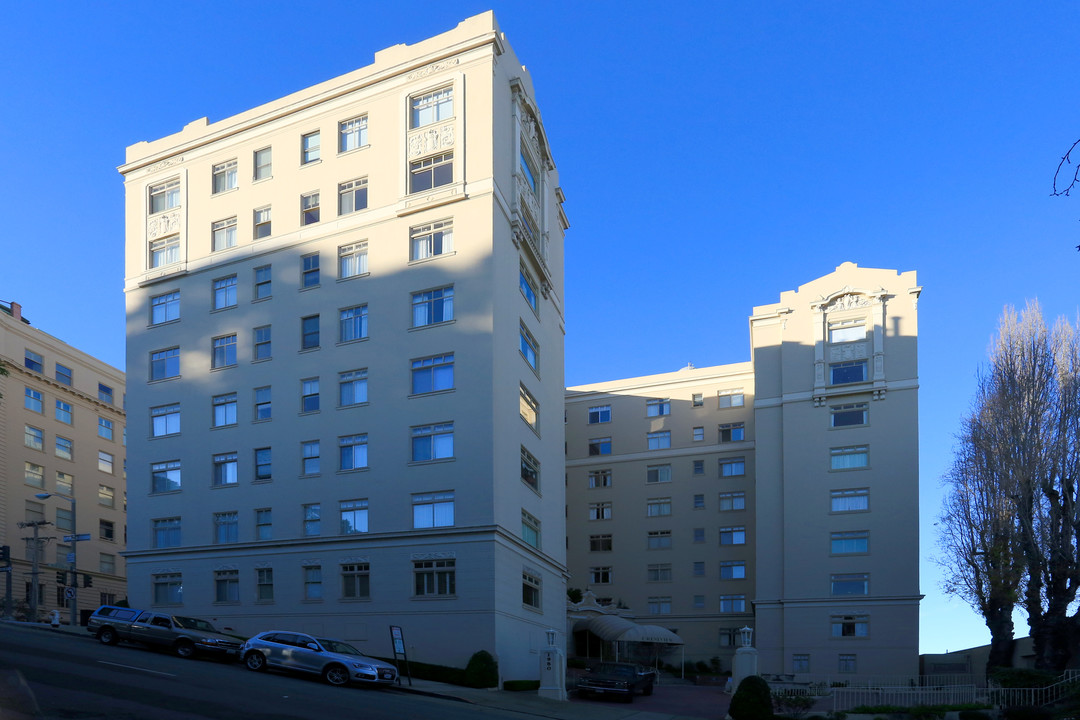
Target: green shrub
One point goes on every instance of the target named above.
(482, 671)
(1022, 677)
(792, 704)
(437, 673)
(752, 700)
(574, 595)
(521, 685)
(926, 712)
(1027, 712)
(973, 715)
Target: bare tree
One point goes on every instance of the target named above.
(1067, 176)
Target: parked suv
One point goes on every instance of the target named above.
(183, 635)
(338, 662)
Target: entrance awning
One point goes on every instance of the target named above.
(618, 629)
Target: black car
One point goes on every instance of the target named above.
(617, 679)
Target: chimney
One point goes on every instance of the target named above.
(16, 310)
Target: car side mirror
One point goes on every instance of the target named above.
(311, 646)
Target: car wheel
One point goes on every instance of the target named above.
(184, 649)
(107, 636)
(629, 695)
(648, 690)
(336, 675)
(255, 660)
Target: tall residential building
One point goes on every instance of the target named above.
(781, 493)
(62, 431)
(345, 321)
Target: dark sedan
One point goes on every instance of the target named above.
(617, 679)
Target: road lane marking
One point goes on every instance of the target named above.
(137, 669)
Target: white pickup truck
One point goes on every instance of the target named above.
(185, 636)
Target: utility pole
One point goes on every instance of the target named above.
(34, 544)
(5, 557)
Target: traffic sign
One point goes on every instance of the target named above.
(77, 538)
(69, 593)
(71, 557)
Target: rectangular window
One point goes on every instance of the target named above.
(600, 511)
(107, 563)
(658, 474)
(850, 626)
(599, 414)
(165, 308)
(165, 476)
(63, 412)
(659, 539)
(309, 270)
(699, 501)
(164, 196)
(530, 469)
(733, 536)
(168, 589)
(264, 524)
(433, 306)
(352, 387)
(658, 507)
(354, 516)
(356, 581)
(353, 323)
(32, 400)
(309, 147)
(312, 515)
(262, 161)
(849, 415)
(262, 222)
(732, 501)
(436, 238)
(732, 603)
(309, 395)
(165, 364)
(309, 457)
(733, 570)
(600, 446)
(65, 447)
(600, 543)
(225, 469)
(849, 542)
(732, 467)
(63, 482)
(434, 577)
(599, 478)
(699, 467)
(105, 462)
(64, 520)
(657, 407)
(528, 288)
(33, 361)
(433, 442)
(224, 232)
(730, 398)
(309, 208)
(353, 452)
(224, 352)
(313, 582)
(105, 428)
(33, 438)
(352, 260)
(164, 251)
(600, 575)
(261, 343)
(849, 458)
(224, 176)
(433, 510)
(226, 527)
(852, 371)
(264, 584)
(432, 107)
(530, 349)
(846, 664)
(530, 530)
(264, 408)
(847, 331)
(800, 663)
(528, 407)
(732, 432)
(660, 572)
(352, 134)
(526, 165)
(224, 410)
(106, 529)
(853, 500)
(697, 400)
(263, 282)
(659, 605)
(849, 584)
(352, 196)
(225, 292)
(309, 332)
(34, 475)
(431, 172)
(530, 589)
(699, 434)
(659, 440)
(263, 464)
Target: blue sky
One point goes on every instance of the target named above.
(712, 155)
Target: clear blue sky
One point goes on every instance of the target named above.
(712, 155)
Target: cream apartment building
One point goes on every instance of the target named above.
(345, 330)
(62, 430)
(780, 493)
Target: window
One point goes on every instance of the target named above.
(309, 395)
(732, 501)
(433, 442)
(599, 414)
(732, 467)
(431, 172)
(352, 324)
(165, 476)
(105, 462)
(106, 529)
(263, 464)
(800, 663)
(352, 260)
(224, 232)
(226, 527)
(530, 349)
(658, 507)
(697, 400)
(225, 292)
(848, 415)
(224, 176)
(263, 282)
(530, 530)
(352, 387)
(34, 475)
(224, 410)
(166, 532)
(730, 398)
(733, 536)
(63, 412)
(107, 563)
(309, 208)
(599, 478)
(850, 626)
(35, 511)
(433, 510)
(600, 575)
(165, 364)
(313, 582)
(600, 511)
(847, 331)
(659, 605)
(263, 163)
(659, 539)
(600, 446)
(353, 452)
(530, 469)
(658, 474)
(852, 371)
(526, 164)
(164, 251)
(264, 584)
(168, 589)
(433, 306)
(264, 524)
(309, 147)
(356, 581)
(733, 570)
(309, 332)
(33, 361)
(600, 543)
(65, 520)
(164, 196)
(65, 447)
(659, 440)
(63, 482)
(352, 134)
(528, 288)
(699, 602)
(849, 542)
(699, 467)
(432, 107)
(105, 393)
(352, 196)
(105, 428)
(225, 469)
(699, 434)
(309, 271)
(354, 516)
(33, 437)
(309, 457)
(164, 420)
(657, 407)
(846, 663)
(732, 432)
(32, 400)
(528, 407)
(699, 502)
(224, 352)
(530, 589)
(732, 603)
(660, 572)
(261, 343)
(849, 584)
(434, 577)
(427, 241)
(854, 500)
(262, 222)
(849, 458)
(312, 515)
(165, 308)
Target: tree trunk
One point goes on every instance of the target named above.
(1001, 640)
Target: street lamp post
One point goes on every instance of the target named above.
(74, 601)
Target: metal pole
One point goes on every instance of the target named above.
(74, 567)
(34, 576)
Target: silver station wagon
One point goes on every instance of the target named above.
(339, 663)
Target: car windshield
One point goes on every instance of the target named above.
(193, 624)
(336, 646)
(612, 669)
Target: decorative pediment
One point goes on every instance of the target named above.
(433, 556)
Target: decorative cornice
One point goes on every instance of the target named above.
(433, 68)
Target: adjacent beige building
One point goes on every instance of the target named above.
(62, 431)
(780, 493)
(345, 329)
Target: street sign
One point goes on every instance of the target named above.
(76, 538)
(71, 557)
(69, 593)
